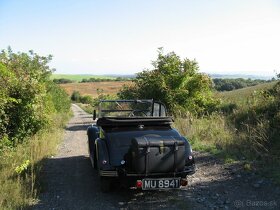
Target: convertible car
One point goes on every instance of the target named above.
(133, 144)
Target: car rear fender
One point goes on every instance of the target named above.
(93, 134)
(102, 155)
(188, 152)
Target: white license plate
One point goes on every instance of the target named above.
(162, 183)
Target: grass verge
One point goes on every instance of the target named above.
(20, 166)
(209, 133)
(86, 107)
(247, 145)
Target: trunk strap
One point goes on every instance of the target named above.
(147, 155)
(176, 148)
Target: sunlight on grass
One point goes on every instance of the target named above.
(18, 189)
(249, 133)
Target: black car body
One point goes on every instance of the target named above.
(133, 143)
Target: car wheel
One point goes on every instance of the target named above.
(105, 182)
(92, 160)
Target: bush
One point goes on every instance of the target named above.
(33, 111)
(59, 98)
(28, 96)
(233, 84)
(76, 96)
(86, 99)
(175, 82)
(62, 81)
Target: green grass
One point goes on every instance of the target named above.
(19, 189)
(248, 135)
(215, 135)
(241, 96)
(245, 134)
(86, 107)
(208, 133)
(79, 77)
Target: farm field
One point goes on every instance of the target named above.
(240, 96)
(79, 77)
(92, 88)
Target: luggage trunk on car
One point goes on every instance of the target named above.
(119, 142)
(153, 154)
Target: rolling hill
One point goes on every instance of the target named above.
(240, 96)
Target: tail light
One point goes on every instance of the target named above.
(139, 184)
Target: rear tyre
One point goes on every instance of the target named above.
(92, 160)
(105, 182)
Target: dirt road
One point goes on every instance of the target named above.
(71, 183)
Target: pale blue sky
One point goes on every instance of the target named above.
(122, 36)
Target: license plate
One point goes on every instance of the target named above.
(163, 183)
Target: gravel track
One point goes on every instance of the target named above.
(71, 183)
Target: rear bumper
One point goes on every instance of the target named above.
(108, 173)
(121, 173)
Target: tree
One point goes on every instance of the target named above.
(28, 97)
(175, 82)
(76, 96)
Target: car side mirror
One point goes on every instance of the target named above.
(94, 114)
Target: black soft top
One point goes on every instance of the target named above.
(132, 121)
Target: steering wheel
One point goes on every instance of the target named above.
(133, 113)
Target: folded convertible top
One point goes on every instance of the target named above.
(117, 121)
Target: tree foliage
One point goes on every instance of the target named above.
(233, 84)
(75, 96)
(28, 97)
(62, 81)
(105, 79)
(175, 82)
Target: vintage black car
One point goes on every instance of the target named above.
(133, 143)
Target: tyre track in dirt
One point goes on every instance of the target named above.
(71, 183)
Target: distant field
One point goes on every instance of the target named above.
(91, 87)
(79, 77)
(240, 96)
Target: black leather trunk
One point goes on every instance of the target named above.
(155, 154)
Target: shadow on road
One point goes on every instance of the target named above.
(71, 183)
(77, 127)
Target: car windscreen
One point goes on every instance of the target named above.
(133, 108)
(125, 108)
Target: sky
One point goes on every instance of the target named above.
(122, 36)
